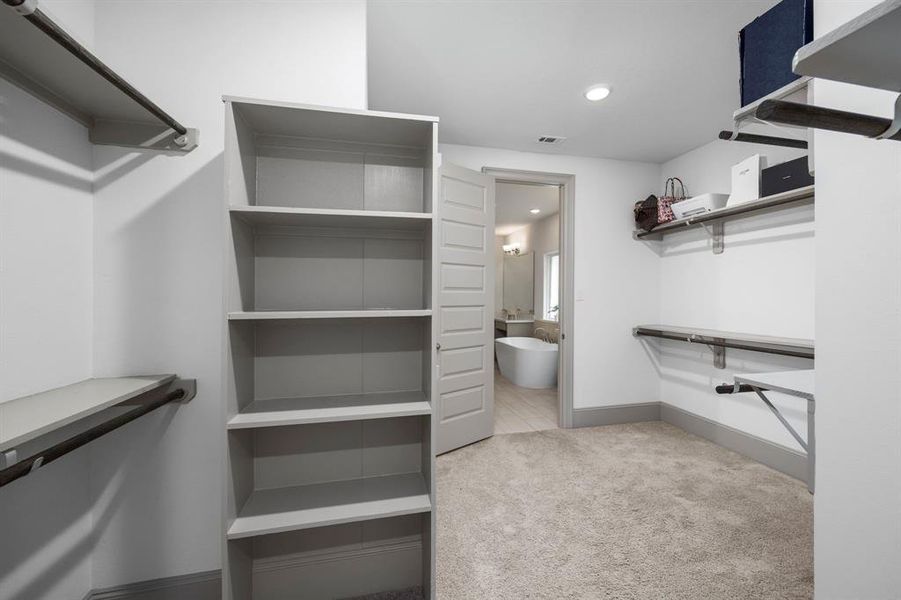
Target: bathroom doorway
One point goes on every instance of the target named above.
(531, 367)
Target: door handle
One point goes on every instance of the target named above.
(438, 346)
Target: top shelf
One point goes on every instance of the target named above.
(41, 57)
(792, 197)
(29, 417)
(863, 51)
(318, 217)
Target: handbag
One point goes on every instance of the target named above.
(645, 213)
(671, 195)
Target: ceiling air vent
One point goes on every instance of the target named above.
(551, 139)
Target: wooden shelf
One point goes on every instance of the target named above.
(67, 76)
(314, 217)
(863, 51)
(328, 409)
(287, 315)
(784, 200)
(302, 507)
(29, 417)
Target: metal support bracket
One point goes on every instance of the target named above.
(895, 127)
(188, 385)
(791, 430)
(717, 236)
(143, 136)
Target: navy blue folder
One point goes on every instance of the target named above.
(768, 44)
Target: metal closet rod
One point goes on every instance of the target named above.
(46, 24)
(728, 388)
(726, 343)
(818, 117)
(26, 466)
(769, 140)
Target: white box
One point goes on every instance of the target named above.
(699, 204)
(746, 180)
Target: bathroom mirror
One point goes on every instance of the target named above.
(518, 282)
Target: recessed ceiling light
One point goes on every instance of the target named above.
(535, 211)
(597, 92)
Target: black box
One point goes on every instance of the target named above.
(783, 177)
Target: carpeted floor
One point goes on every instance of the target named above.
(642, 511)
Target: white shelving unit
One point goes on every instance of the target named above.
(329, 352)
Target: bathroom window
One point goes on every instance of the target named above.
(552, 286)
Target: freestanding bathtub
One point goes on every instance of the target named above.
(527, 362)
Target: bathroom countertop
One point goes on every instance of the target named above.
(514, 320)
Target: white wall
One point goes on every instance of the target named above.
(159, 238)
(610, 366)
(46, 327)
(763, 283)
(857, 507)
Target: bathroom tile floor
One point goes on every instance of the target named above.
(518, 409)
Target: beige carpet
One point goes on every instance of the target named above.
(642, 511)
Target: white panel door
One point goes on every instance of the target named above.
(464, 308)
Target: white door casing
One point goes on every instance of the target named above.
(464, 308)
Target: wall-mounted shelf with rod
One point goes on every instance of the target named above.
(745, 116)
(863, 51)
(718, 341)
(37, 429)
(287, 315)
(717, 217)
(41, 57)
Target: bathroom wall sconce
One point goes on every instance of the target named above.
(513, 249)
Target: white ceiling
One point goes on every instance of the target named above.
(514, 201)
(500, 73)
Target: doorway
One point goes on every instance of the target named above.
(532, 301)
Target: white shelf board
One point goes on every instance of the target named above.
(327, 409)
(746, 209)
(272, 117)
(864, 51)
(302, 507)
(282, 315)
(799, 383)
(796, 91)
(29, 417)
(317, 217)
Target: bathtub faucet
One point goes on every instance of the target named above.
(543, 335)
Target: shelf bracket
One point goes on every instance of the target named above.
(895, 128)
(719, 356)
(142, 136)
(717, 235)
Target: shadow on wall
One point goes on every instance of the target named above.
(116, 490)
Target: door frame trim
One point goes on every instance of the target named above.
(567, 182)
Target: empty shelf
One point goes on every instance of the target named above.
(30, 417)
(324, 409)
(785, 199)
(798, 347)
(39, 56)
(302, 507)
(315, 217)
(277, 315)
(863, 51)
